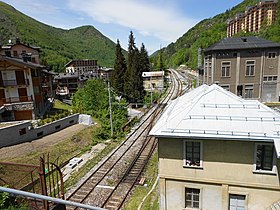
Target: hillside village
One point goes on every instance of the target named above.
(214, 130)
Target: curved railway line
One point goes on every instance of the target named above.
(110, 184)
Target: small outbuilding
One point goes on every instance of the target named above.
(153, 81)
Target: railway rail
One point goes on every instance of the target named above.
(111, 183)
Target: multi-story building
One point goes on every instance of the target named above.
(246, 66)
(22, 95)
(83, 66)
(255, 17)
(218, 151)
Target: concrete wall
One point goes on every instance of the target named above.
(16, 134)
(227, 168)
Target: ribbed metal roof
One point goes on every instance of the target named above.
(210, 112)
(237, 43)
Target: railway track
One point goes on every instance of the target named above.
(110, 184)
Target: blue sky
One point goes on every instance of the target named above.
(156, 23)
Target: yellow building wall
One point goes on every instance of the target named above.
(227, 168)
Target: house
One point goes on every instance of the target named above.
(153, 81)
(24, 84)
(67, 84)
(246, 66)
(218, 151)
(82, 66)
(21, 51)
(255, 17)
(104, 73)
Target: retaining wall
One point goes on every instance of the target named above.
(23, 132)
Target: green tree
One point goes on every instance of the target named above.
(117, 79)
(144, 59)
(130, 73)
(93, 99)
(160, 65)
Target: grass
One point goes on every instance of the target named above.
(151, 202)
(63, 150)
(272, 104)
(76, 176)
(61, 106)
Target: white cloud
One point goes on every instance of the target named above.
(148, 19)
(34, 7)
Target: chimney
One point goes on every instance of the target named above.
(17, 40)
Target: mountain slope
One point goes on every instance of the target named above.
(58, 45)
(208, 32)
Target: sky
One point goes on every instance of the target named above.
(156, 23)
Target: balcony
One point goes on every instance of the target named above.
(7, 83)
(11, 100)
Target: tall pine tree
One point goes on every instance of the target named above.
(131, 70)
(117, 80)
(137, 62)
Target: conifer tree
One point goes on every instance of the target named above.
(144, 59)
(131, 70)
(117, 80)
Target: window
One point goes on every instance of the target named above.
(15, 53)
(264, 155)
(193, 153)
(226, 87)
(226, 69)
(269, 78)
(271, 55)
(237, 202)
(210, 69)
(250, 68)
(249, 91)
(192, 197)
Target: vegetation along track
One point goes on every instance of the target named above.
(111, 182)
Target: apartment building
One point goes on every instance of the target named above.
(24, 85)
(81, 66)
(218, 151)
(246, 66)
(255, 17)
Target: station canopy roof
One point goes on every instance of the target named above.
(210, 112)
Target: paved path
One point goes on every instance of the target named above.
(50, 140)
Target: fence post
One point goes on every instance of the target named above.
(43, 182)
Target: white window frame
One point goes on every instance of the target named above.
(252, 68)
(270, 78)
(261, 171)
(247, 88)
(238, 194)
(200, 198)
(185, 165)
(223, 65)
(269, 55)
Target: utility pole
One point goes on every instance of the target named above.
(198, 65)
(110, 106)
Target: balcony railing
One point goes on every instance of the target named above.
(6, 83)
(11, 100)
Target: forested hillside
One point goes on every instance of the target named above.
(58, 45)
(208, 32)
